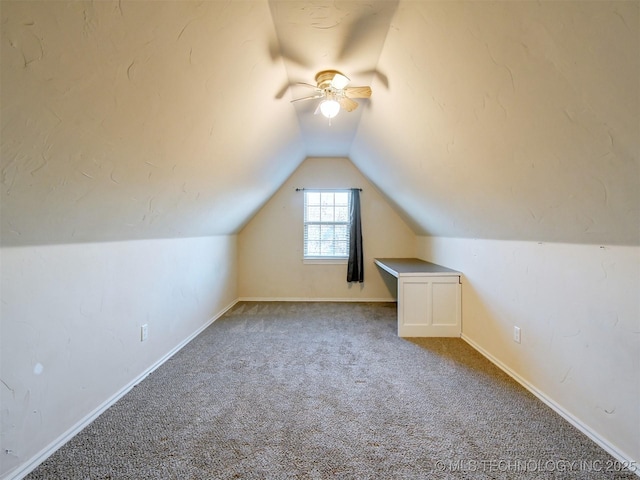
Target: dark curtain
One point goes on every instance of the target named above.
(355, 268)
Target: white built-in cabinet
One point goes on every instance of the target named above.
(429, 297)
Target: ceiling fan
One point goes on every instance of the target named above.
(332, 87)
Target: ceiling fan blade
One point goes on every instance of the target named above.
(348, 104)
(310, 97)
(339, 81)
(315, 87)
(358, 92)
(284, 89)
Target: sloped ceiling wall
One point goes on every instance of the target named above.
(125, 120)
(509, 120)
(506, 120)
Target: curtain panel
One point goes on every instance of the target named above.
(355, 266)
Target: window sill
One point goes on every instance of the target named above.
(325, 261)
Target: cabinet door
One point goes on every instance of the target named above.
(429, 306)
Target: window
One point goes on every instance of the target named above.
(326, 224)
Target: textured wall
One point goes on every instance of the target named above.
(578, 310)
(71, 318)
(510, 120)
(127, 120)
(270, 246)
(505, 120)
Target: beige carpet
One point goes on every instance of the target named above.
(326, 390)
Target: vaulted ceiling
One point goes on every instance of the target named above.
(503, 120)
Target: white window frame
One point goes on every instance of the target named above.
(325, 259)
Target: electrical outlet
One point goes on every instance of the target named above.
(144, 332)
(516, 334)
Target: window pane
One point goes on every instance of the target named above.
(313, 198)
(327, 198)
(326, 248)
(313, 232)
(341, 232)
(313, 214)
(342, 249)
(327, 214)
(313, 248)
(341, 198)
(326, 229)
(326, 232)
(342, 214)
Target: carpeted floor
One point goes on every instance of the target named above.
(326, 390)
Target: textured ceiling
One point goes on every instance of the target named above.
(504, 120)
(316, 36)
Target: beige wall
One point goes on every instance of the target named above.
(270, 246)
(70, 323)
(578, 310)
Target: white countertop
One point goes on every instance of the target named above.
(414, 267)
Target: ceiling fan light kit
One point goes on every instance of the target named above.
(331, 79)
(329, 108)
(332, 88)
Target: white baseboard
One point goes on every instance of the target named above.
(615, 452)
(45, 453)
(305, 299)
